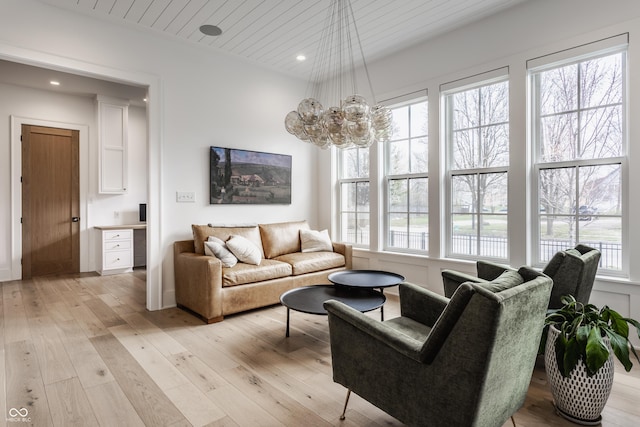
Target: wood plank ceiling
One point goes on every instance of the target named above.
(274, 32)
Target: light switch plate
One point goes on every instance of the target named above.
(185, 196)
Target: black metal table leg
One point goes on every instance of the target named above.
(288, 310)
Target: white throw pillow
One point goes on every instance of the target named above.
(215, 239)
(244, 250)
(213, 247)
(315, 241)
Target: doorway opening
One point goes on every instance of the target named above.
(101, 76)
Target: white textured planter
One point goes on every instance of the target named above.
(578, 398)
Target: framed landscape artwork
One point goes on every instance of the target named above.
(249, 177)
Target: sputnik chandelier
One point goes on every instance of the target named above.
(354, 122)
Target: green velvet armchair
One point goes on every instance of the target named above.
(464, 361)
(573, 272)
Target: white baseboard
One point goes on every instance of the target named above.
(169, 299)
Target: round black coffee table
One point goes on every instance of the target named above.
(309, 299)
(366, 279)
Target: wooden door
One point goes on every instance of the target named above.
(50, 201)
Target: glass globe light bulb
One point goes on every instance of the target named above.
(333, 120)
(314, 131)
(310, 111)
(302, 135)
(293, 123)
(358, 129)
(355, 108)
(321, 140)
(381, 117)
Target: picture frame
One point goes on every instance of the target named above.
(248, 177)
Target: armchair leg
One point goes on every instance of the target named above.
(346, 401)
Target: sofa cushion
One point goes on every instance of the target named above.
(281, 238)
(202, 232)
(268, 269)
(244, 250)
(315, 241)
(309, 262)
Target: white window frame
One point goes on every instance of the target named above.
(446, 90)
(406, 176)
(606, 47)
(352, 181)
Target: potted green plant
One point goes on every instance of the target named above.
(579, 342)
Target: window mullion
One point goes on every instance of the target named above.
(580, 111)
(478, 160)
(576, 206)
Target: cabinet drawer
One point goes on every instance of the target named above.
(117, 245)
(117, 259)
(117, 235)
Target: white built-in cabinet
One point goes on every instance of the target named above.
(116, 247)
(112, 138)
(121, 248)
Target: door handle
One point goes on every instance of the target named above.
(75, 219)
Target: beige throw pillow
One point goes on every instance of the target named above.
(315, 241)
(244, 250)
(217, 248)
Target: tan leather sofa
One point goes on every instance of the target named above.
(207, 289)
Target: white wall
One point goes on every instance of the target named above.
(508, 39)
(203, 99)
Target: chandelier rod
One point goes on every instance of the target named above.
(327, 69)
(320, 61)
(364, 62)
(349, 43)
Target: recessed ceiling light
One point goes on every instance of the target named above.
(210, 30)
(301, 58)
(54, 83)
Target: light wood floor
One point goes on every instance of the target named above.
(82, 350)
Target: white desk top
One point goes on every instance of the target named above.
(121, 227)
